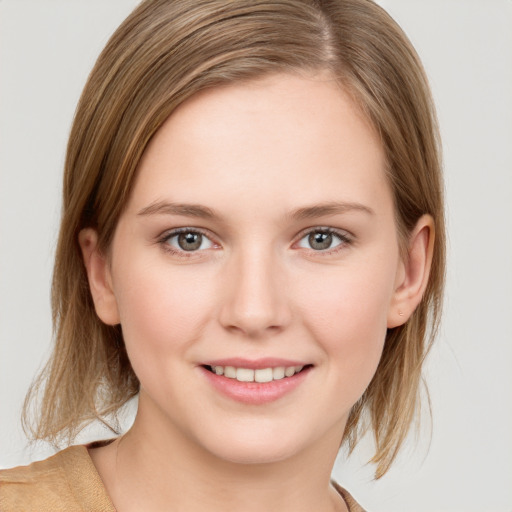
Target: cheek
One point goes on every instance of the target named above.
(347, 315)
(161, 310)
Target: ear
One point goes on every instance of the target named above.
(413, 273)
(99, 276)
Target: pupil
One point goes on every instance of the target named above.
(320, 241)
(190, 241)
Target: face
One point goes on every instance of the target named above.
(255, 267)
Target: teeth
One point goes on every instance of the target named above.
(260, 375)
(244, 375)
(264, 375)
(230, 371)
(278, 373)
(289, 371)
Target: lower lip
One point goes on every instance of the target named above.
(255, 393)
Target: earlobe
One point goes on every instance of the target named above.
(413, 275)
(98, 274)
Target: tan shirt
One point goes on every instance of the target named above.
(69, 482)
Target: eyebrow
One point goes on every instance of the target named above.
(184, 209)
(203, 212)
(329, 208)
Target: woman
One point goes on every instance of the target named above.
(252, 242)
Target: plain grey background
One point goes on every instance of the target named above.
(47, 48)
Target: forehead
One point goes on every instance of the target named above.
(284, 138)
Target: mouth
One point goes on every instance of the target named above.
(260, 375)
(256, 383)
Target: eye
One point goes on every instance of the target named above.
(187, 240)
(322, 239)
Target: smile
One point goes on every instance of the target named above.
(255, 382)
(256, 375)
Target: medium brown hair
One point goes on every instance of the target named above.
(162, 54)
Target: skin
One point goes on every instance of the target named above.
(254, 154)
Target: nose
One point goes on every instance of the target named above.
(255, 296)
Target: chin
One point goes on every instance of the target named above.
(259, 447)
(259, 454)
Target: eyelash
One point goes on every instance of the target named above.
(167, 236)
(344, 238)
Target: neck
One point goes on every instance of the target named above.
(154, 465)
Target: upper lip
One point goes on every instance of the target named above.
(255, 364)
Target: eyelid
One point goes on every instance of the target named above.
(326, 229)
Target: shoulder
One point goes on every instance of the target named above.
(351, 503)
(66, 481)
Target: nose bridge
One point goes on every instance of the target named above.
(256, 302)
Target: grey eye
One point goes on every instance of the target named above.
(189, 241)
(321, 240)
